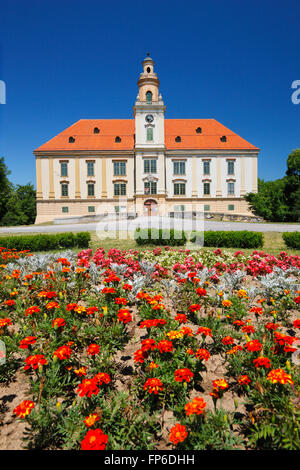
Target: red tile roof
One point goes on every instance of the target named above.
(85, 139)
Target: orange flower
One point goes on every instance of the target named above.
(91, 419)
(153, 365)
(178, 433)
(64, 352)
(10, 302)
(226, 303)
(81, 371)
(24, 408)
(101, 378)
(244, 380)
(95, 439)
(51, 305)
(120, 301)
(4, 322)
(204, 330)
(186, 331)
(153, 385)
(93, 349)
(195, 407)
(58, 323)
(202, 354)
(279, 376)
(183, 375)
(220, 384)
(79, 309)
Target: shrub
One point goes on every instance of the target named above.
(46, 242)
(169, 237)
(292, 239)
(240, 239)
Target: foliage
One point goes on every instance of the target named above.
(168, 237)
(239, 239)
(292, 239)
(46, 242)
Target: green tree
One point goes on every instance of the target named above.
(6, 188)
(269, 201)
(292, 185)
(20, 206)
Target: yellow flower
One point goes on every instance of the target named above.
(226, 303)
(104, 310)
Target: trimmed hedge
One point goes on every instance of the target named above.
(168, 237)
(239, 239)
(292, 239)
(46, 242)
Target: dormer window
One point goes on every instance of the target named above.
(71, 140)
(199, 130)
(118, 139)
(223, 138)
(96, 130)
(178, 139)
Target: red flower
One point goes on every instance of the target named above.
(101, 378)
(71, 307)
(244, 380)
(24, 343)
(181, 318)
(88, 387)
(127, 286)
(24, 408)
(95, 439)
(165, 346)
(202, 354)
(183, 375)
(194, 307)
(35, 361)
(31, 310)
(109, 290)
(140, 356)
(58, 323)
(4, 322)
(248, 329)
(271, 326)
(296, 323)
(204, 330)
(153, 385)
(64, 352)
(253, 345)
(297, 300)
(124, 315)
(92, 310)
(202, 292)
(256, 310)
(178, 433)
(227, 340)
(120, 301)
(148, 344)
(93, 349)
(262, 362)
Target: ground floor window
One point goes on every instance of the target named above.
(231, 207)
(65, 209)
(179, 208)
(206, 207)
(91, 208)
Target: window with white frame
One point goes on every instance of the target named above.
(230, 167)
(206, 167)
(206, 188)
(179, 189)
(150, 165)
(178, 168)
(120, 168)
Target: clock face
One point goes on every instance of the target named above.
(149, 118)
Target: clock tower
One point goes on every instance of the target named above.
(149, 110)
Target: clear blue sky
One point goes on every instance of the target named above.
(233, 60)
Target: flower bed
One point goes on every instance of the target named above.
(165, 349)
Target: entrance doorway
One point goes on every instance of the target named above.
(150, 207)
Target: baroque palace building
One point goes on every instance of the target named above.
(145, 165)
